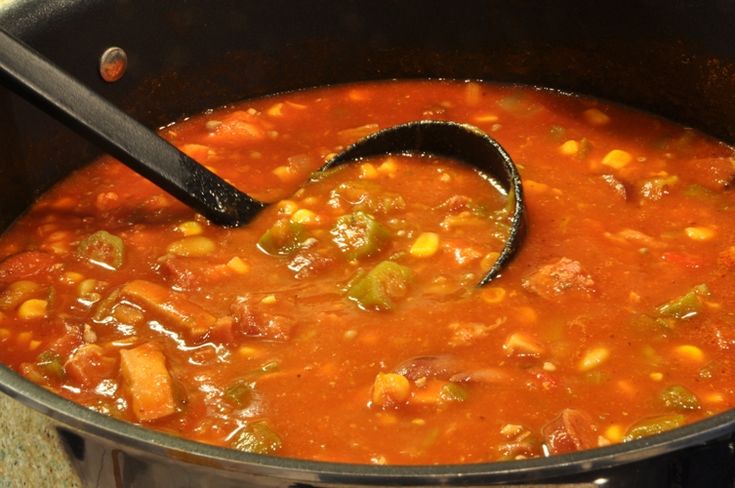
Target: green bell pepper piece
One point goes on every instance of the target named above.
(102, 248)
(377, 289)
(654, 425)
(677, 397)
(257, 437)
(283, 238)
(359, 235)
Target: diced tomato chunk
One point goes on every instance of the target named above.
(264, 320)
(190, 273)
(239, 127)
(148, 381)
(223, 330)
(554, 279)
(71, 338)
(572, 430)
(89, 365)
(683, 259)
(24, 265)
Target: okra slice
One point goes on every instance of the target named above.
(103, 249)
(680, 398)
(50, 364)
(686, 305)
(283, 238)
(452, 392)
(381, 286)
(654, 425)
(359, 235)
(240, 394)
(369, 197)
(257, 437)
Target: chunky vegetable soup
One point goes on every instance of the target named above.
(345, 323)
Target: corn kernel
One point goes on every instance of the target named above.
(238, 265)
(190, 228)
(58, 247)
(310, 201)
(275, 110)
(33, 345)
(569, 148)
(489, 260)
(656, 376)
(486, 118)
(626, 387)
(388, 167)
(287, 207)
(198, 152)
(593, 358)
(700, 233)
(64, 203)
(71, 277)
(548, 366)
(390, 388)
(46, 229)
(425, 245)
(532, 186)
(690, 353)
(368, 171)
(283, 173)
(86, 287)
(521, 344)
(385, 418)
(24, 338)
(445, 178)
(304, 216)
(32, 309)
(596, 117)
(714, 398)
(357, 95)
(58, 235)
(192, 246)
(493, 294)
(269, 300)
(249, 352)
(617, 158)
(418, 422)
(614, 433)
(526, 314)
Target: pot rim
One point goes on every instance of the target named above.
(177, 449)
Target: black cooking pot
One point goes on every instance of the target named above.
(673, 58)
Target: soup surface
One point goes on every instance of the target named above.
(345, 324)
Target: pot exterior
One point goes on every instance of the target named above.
(101, 463)
(676, 59)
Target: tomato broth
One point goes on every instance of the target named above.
(345, 322)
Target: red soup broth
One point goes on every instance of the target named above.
(344, 323)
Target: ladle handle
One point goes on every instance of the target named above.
(28, 74)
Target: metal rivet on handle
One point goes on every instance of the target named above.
(113, 63)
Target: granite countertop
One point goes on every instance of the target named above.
(30, 451)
